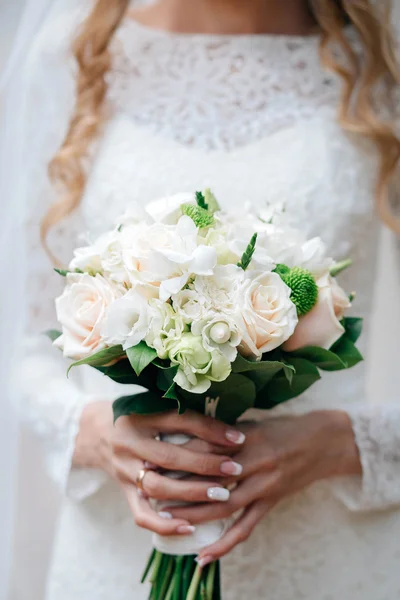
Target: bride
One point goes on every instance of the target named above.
(264, 100)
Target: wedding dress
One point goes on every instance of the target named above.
(254, 118)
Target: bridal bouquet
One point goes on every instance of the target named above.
(208, 311)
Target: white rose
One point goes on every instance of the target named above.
(165, 325)
(269, 316)
(168, 210)
(321, 326)
(127, 320)
(219, 332)
(197, 366)
(81, 310)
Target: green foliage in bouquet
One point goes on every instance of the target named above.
(303, 285)
(199, 215)
(278, 377)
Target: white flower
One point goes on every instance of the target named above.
(128, 320)
(321, 326)
(189, 304)
(219, 291)
(173, 255)
(165, 325)
(81, 310)
(219, 331)
(269, 316)
(314, 258)
(168, 210)
(197, 366)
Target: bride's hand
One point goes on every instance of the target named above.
(124, 449)
(280, 457)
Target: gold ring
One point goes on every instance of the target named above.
(139, 479)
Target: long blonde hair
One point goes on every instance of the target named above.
(357, 112)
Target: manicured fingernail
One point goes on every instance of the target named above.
(237, 437)
(165, 515)
(231, 468)
(204, 561)
(185, 529)
(218, 493)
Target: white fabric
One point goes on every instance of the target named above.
(177, 100)
(13, 118)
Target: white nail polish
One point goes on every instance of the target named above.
(202, 562)
(237, 437)
(185, 529)
(165, 515)
(231, 468)
(218, 493)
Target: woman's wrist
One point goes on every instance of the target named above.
(93, 441)
(338, 444)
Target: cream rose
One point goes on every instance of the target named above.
(321, 326)
(269, 316)
(81, 310)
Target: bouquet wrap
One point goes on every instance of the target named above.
(205, 533)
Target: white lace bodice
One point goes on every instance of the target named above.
(253, 117)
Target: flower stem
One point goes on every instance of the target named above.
(192, 593)
(157, 564)
(178, 579)
(210, 580)
(340, 266)
(148, 566)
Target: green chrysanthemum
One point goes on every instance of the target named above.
(199, 216)
(304, 289)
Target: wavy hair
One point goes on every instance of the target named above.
(368, 76)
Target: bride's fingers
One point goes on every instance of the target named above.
(237, 534)
(147, 518)
(200, 426)
(176, 458)
(159, 487)
(246, 493)
(198, 445)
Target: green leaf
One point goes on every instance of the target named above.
(211, 201)
(146, 403)
(140, 356)
(201, 201)
(323, 359)
(121, 372)
(171, 392)
(64, 272)
(353, 327)
(248, 253)
(280, 390)
(165, 378)
(261, 372)
(53, 334)
(100, 359)
(236, 395)
(347, 351)
(340, 266)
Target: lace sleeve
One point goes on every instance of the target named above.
(50, 403)
(377, 425)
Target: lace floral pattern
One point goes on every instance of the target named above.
(217, 92)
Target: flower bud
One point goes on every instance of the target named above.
(220, 333)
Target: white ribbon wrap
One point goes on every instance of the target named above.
(204, 535)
